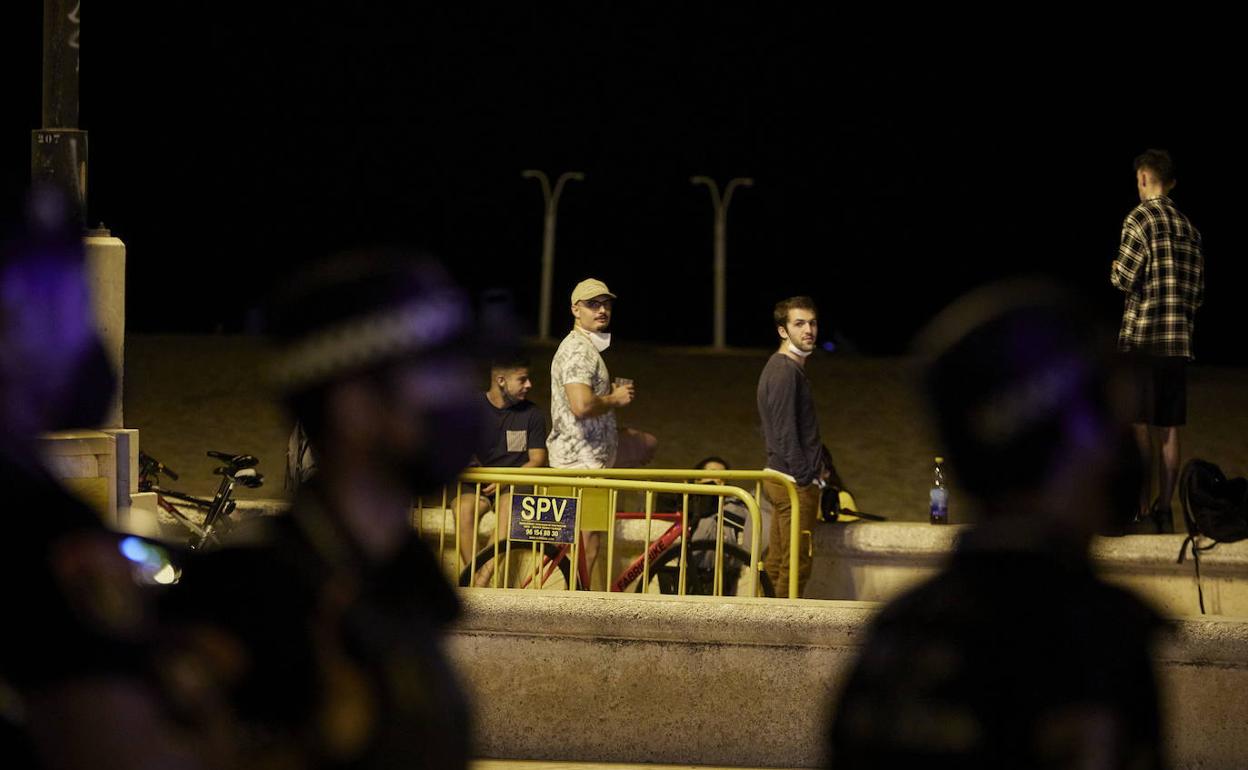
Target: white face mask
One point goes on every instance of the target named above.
(795, 350)
(601, 340)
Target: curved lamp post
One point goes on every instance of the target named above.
(720, 204)
(551, 198)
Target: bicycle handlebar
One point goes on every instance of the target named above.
(151, 465)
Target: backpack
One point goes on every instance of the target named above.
(1214, 508)
(836, 503)
(300, 462)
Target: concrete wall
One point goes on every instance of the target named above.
(85, 462)
(875, 561)
(742, 682)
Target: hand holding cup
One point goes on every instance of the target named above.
(623, 391)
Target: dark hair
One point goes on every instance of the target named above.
(781, 314)
(705, 461)
(1159, 162)
(506, 361)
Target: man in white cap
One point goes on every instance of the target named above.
(583, 399)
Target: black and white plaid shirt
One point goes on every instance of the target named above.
(1161, 269)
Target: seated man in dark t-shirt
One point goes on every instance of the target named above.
(513, 435)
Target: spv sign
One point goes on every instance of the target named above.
(543, 519)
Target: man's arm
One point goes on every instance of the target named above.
(1200, 272)
(584, 403)
(537, 439)
(1132, 250)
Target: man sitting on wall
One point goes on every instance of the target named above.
(513, 435)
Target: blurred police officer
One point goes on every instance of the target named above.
(1015, 655)
(80, 683)
(336, 609)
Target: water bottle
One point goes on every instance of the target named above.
(940, 494)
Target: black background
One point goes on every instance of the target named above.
(894, 167)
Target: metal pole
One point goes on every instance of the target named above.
(550, 200)
(548, 273)
(61, 20)
(720, 241)
(721, 275)
(58, 150)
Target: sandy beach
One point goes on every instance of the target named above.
(190, 394)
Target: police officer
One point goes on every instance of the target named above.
(80, 682)
(335, 609)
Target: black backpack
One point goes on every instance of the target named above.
(1214, 508)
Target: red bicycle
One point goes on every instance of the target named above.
(235, 470)
(517, 564)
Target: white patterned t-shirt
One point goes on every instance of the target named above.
(589, 442)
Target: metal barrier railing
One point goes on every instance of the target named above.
(662, 474)
(546, 559)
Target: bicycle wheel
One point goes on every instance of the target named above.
(515, 567)
(700, 572)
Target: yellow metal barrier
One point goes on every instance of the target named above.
(584, 487)
(662, 474)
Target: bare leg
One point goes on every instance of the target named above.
(1169, 465)
(1144, 440)
(592, 543)
(466, 535)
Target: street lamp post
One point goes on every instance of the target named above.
(58, 150)
(551, 198)
(720, 204)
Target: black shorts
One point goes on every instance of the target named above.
(1161, 389)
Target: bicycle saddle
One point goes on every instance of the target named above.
(235, 461)
(248, 477)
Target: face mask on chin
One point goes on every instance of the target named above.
(795, 350)
(600, 340)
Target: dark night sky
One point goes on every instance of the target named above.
(893, 168)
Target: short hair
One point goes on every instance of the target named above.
(781, 314)
(705, 461)
(504, 362)
(1159, 162)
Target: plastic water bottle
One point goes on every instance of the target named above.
(939, 494)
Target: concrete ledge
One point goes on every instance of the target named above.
(247, 509)
(741, 682)
(874, 561)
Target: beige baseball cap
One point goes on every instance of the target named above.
(590, 288)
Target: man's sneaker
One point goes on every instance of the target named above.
(1142, 524)
(1163, 518)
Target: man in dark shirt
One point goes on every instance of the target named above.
(513, 435)
(1015, 655)
(791, 433)
(1160, 270)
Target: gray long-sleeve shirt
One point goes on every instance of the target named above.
(787, 412)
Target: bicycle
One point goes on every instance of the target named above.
(521, 565)
(235, 470)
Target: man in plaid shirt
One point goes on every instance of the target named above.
(1160, 268)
